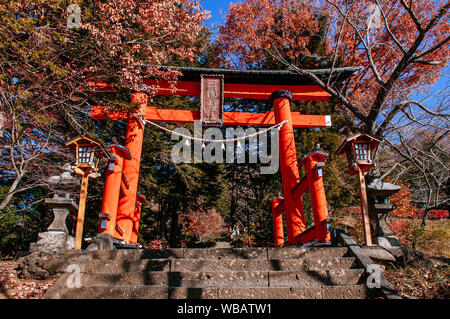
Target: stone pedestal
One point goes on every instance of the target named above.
(379, 193)
(383, 225)
(101, 242)
(52, 241)
(59, 221)
(57, 236)
(42, 263)
(392, 244)
(388, 242)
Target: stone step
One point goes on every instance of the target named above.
(260, 265)
(306, 252)
(319, 277)
(164, 292)
(300, 278)
(69, 253)
(114, 266)
(180, 265)
(177, 279)
(179, 253)
(222, 253)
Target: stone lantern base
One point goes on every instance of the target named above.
(41, 264)
(57, 236)
(388, 241)
(52, 241)
(392, 244)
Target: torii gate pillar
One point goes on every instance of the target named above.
(127, 214)
(277, 218)
(295, 219)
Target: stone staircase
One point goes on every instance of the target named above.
(215, 273)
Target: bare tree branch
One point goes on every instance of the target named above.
(386, 24)
(413, 16)
(366, 46)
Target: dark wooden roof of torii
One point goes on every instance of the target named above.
(278, 77)
(247, 84)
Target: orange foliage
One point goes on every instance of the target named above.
(203, 224)
(399, 227)
(403, 201)
(385, 52)
(253, 26)
(162, 30)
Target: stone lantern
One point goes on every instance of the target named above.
(379, 193)
(57, 235)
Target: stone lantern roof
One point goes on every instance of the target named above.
(376, 187)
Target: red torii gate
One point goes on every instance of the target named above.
(121, 205)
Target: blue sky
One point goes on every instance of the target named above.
(218, 9)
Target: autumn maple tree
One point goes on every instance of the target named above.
(252, 27)
(47, 65)
(400, 47)
(139, 36)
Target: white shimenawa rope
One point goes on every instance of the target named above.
(279, 125)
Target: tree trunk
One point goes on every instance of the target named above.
(10, 194)
(424, 218)
(174, 229)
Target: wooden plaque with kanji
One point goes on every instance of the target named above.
(211, 109)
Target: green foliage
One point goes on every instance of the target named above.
(19, 228)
